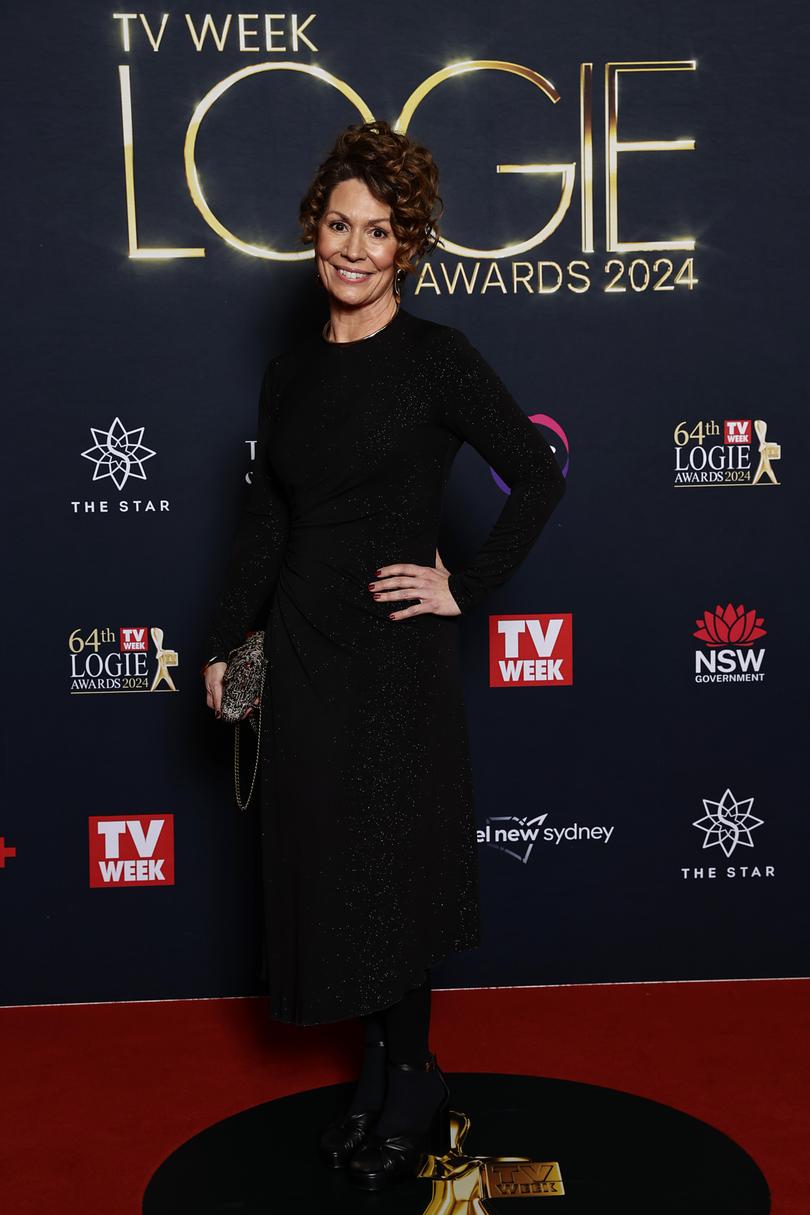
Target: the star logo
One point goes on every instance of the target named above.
(118, 453)
(728, 822)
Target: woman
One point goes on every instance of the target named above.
(368, 828)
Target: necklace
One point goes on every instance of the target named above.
(328, 329)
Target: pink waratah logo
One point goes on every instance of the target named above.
(730, 625)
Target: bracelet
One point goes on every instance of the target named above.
(215, 658)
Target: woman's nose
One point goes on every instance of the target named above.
(354, 246)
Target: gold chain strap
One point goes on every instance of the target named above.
(236, 765)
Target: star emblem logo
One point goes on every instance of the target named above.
(118, 453)
(728, 822)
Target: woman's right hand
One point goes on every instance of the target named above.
(212, 674)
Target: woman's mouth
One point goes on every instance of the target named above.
(351, 276)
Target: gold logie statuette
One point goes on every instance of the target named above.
(517, 1177)
(767, 452)
(462, 1183)
(165, 659)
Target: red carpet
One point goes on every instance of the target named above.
(95, 1096)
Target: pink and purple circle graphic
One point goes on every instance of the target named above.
(542, 419)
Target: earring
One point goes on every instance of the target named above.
(397, 281)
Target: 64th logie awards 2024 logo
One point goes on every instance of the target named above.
(736, 451)
(132, 658)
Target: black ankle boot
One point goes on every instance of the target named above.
(347, 1132)
(383, 1159)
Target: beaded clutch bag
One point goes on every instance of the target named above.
(242, 684)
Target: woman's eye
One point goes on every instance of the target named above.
(379, 233)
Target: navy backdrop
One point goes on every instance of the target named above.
(644, 815)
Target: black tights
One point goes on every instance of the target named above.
(404, 1027)
(407, 1024)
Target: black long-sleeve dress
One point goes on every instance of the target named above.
(368, 836)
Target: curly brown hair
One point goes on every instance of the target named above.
(397, 171)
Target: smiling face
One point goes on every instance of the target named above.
(356, 246)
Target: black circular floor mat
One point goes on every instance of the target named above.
(575, 1148)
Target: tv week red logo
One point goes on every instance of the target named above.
(530, 651)
(737, 431)
(134, 851)
(134, 640)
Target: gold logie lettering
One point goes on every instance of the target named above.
(154, 41)
(639, 276)
(613, 147)
(245, 33)
(586, 154)
(208, 24)
(129, 182)
(567, 171)
(298, 32)
(126, 17)
(211, 97)
(208, 34)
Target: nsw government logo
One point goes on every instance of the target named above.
(134, 851)
(735, 451)
(530, 651)
(132, 658)
(730, 656)
(727, 824)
